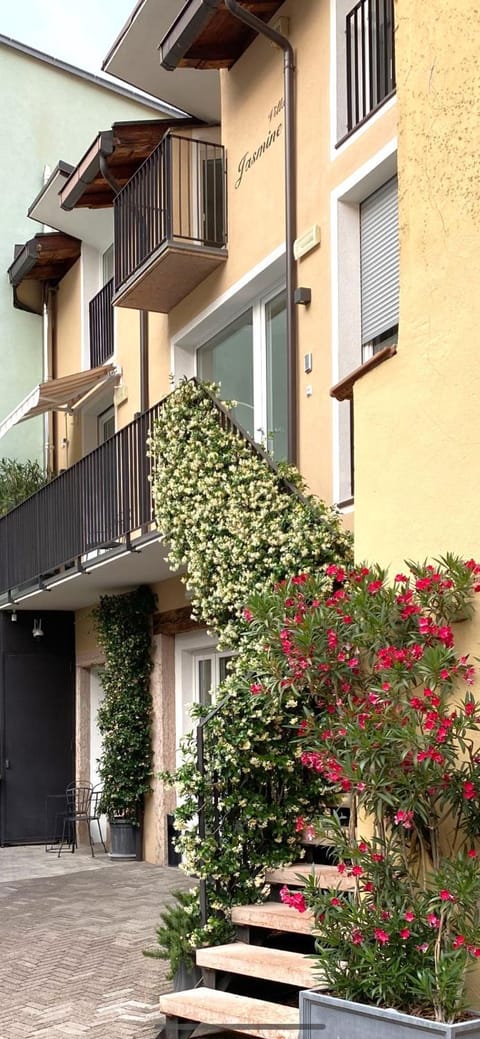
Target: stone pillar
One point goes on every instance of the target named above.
(161, 801)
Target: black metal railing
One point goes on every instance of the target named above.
(101, 325)
(177, 195)
(97, 503)
(370, 51)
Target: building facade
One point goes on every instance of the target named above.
(305, 237)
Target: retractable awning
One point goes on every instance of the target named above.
(57, 395)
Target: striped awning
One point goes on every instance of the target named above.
(57, 395)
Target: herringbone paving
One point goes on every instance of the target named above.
(72, 935)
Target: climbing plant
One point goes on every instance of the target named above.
(123, 624)
(233, 520)
(236, 524)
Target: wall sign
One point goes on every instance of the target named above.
(250, 158)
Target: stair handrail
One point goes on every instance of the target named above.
(202, 829)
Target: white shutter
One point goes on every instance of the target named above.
(379, 261)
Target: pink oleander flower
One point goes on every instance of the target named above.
(404, 819)
(409, 916)
(381, 936)
(458, 941)
(446, 896)
(294, 899)
(405, 933)
(433, 920)
(247, 615)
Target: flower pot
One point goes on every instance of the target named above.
(340, 1019)
(123, 839)
(186, 978)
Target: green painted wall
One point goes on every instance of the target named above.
(46, 114)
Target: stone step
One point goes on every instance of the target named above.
(275, 916)
(254, 961)
(298, 874)
(240, 1013)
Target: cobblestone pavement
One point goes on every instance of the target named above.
(72, 931)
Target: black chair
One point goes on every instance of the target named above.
(77, 797)
(95, 814)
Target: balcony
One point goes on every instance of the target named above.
(101, 326)
(370, 57)
(170, 224)
(100, 505)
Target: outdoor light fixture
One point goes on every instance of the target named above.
(13, 616)
(37, 630)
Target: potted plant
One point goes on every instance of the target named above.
(180, 934)
(390, 720)
(123, 625)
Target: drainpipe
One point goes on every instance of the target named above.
(49, 337)
(290, 206)
(144, 388)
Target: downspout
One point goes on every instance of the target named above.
(144, 361)
(290, 208)
(46, 374)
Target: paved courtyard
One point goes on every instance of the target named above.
(72, 931)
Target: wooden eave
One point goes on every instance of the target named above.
(46, 257)
(124, 148)
(224, 39)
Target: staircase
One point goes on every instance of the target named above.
(271, 958)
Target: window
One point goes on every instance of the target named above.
(365, 60)
(107, 265)
(199, 670)
(365, 288)
(249, 360)
(106, 425)
(379, 268)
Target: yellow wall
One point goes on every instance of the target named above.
(417, 416)
(256, 221)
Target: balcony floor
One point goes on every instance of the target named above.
(168, 276)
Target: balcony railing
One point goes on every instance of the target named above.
(101, 325)
(102, 502)
(370, 58)
(174, 202)
(98, 503)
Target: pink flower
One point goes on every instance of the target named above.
(357, 937)
(374, 587)
(404, 818)
(446, 896)
(363, 846)
(300, 824)
(409, 916)
(335, 901)
(256, 688)
(433, 920)
(458, 941)
(405, 933)
(469, 790)
(472, 854)
(357, 871)
(469, 709)
(422, 948)
(400, 579)
(474, 951)
(247, 615)
(294, 899)
(300, 579)
(381, 936)
(342, 867)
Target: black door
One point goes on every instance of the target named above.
(38, 741)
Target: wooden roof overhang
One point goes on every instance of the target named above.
(207, 36)
(44, 258)
(112, 159)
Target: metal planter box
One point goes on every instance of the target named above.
(324, 1017)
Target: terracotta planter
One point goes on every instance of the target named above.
(340, 1019)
